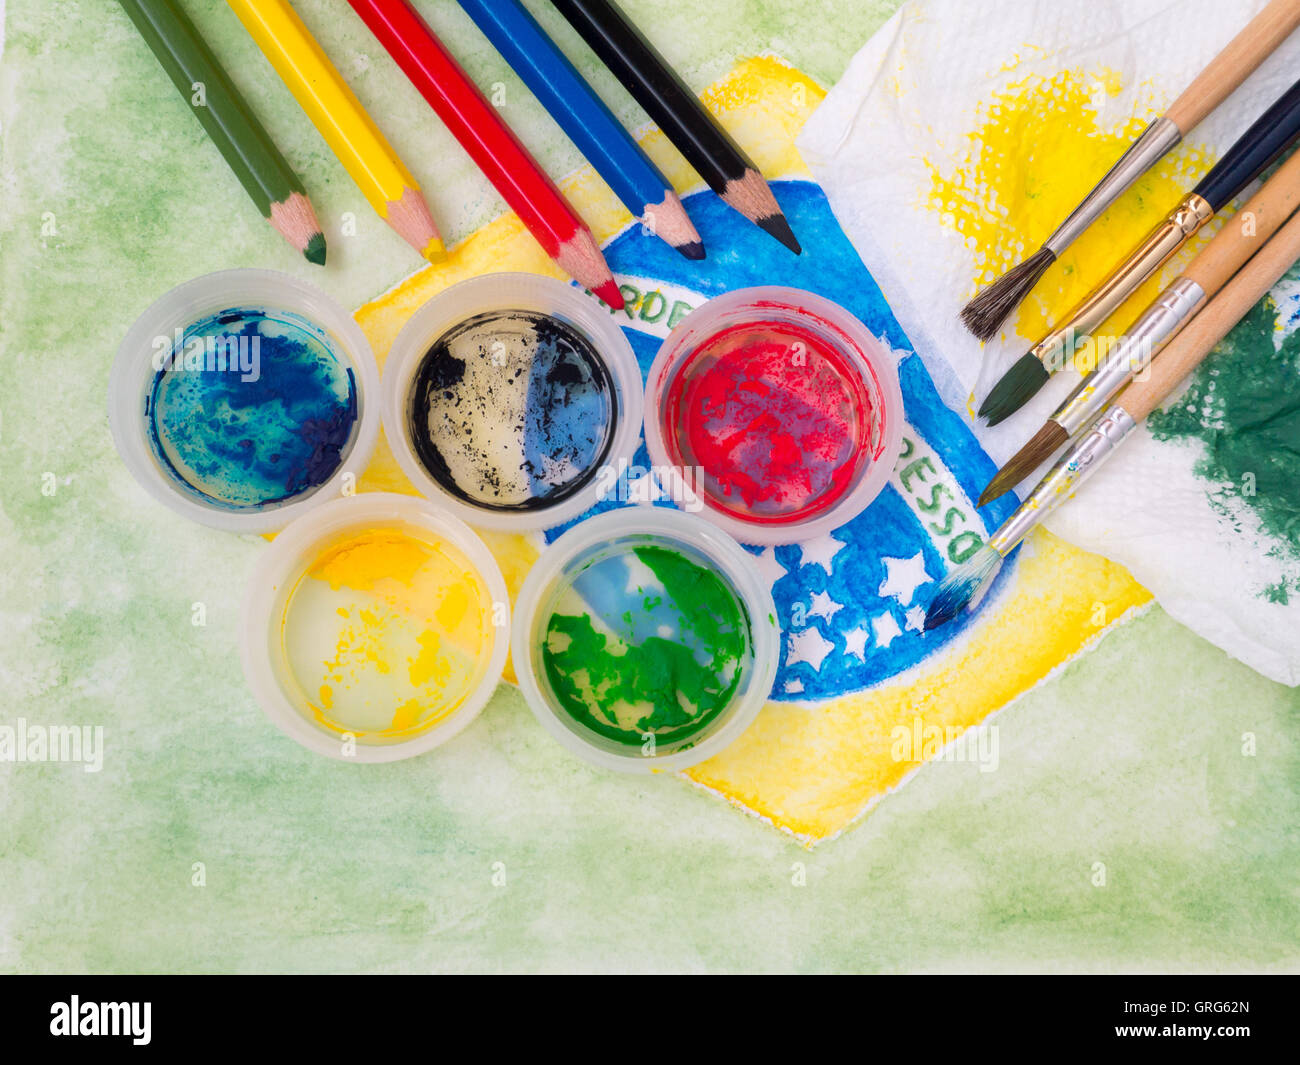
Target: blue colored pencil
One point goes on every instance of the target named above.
(586, 120)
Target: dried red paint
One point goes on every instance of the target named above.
(778, 420)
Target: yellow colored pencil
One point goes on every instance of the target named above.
(339, 117)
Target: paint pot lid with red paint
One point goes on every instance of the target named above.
(776, 412)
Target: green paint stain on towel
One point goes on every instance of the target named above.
(674, 683)
(1243, 403)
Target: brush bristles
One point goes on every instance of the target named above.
(1018, 467)
(985, 314)
(962, 587)
(1014, 389)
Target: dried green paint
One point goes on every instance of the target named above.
(679, 690)
(1243, 404)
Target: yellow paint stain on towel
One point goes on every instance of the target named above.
(1040, 145)
(809, 770)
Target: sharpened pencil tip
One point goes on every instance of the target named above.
(315, 250)
(693, 251)
(777, 226)
(610, 294)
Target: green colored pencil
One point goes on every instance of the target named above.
(229, 122)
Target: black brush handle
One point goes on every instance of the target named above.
(1268, 137)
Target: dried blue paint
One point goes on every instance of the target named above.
(251, 407)
(512, 410)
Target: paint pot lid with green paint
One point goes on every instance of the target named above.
(644, 640)
(374, 628)
(244, 398)
(507, 397)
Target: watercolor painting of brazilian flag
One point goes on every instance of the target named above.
(863, 697)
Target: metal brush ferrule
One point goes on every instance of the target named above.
(1073, 468)
(1157, 248)
(1162, 320)
(1158, 138)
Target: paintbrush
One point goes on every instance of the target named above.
(989, 309)
(1231, 247)
(1267, 138)
(966, 585)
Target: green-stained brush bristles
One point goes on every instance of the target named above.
(1014, 389)
(985, 314)
(1018, 467)
(962, 587)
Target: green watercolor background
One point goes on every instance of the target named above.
(1131, 756)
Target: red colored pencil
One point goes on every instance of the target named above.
(493, 147)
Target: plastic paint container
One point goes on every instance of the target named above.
(242, 398)
(780, 410)
(374, 628)
(644, 640)
(505, 395)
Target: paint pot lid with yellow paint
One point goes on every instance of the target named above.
(645, 640)
(375, 628)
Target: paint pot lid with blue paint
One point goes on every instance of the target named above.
(645, 640)
(507, 396)
(374, 628)
(243, 398)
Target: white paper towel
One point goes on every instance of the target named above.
(909, 97)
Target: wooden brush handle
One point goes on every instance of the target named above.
(1235, 63)
(1248, 230)
(1185, 352)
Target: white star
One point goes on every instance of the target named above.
(809, 646)
(769, 567)
(855, 643)
(793, 686)
(916, 619)
(886, 629)
(820, 551)
(823, 606)
(903, 576)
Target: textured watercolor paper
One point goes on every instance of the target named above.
(207, 841)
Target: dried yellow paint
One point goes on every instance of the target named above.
(386, 619)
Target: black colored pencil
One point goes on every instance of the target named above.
(671, 104)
